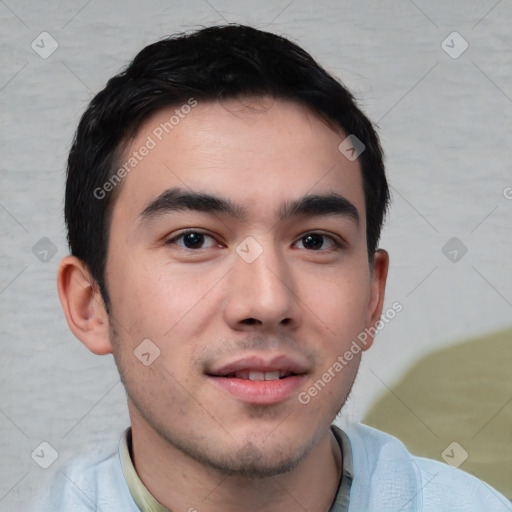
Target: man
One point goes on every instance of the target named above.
(224, 203)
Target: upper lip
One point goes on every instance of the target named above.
(259, 363)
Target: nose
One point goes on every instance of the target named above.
(260, 291)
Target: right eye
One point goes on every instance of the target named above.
(192, 239)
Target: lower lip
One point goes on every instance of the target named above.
(262, 392)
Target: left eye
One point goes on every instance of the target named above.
(316, 241)
(194, 240)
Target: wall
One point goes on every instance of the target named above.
(445, 122)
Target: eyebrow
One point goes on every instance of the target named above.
(177, 199)
(320, 204)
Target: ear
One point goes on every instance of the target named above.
(83, 305)
(379, 274)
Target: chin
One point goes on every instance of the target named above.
(254, 463)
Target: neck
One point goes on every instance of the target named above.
(181, 483)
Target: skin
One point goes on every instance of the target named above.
(195, 445)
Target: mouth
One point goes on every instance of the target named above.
(258, 380)
(256, 375)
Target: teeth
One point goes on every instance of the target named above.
(255, 375)
(264, 375)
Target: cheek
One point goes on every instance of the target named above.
(171, 308)
(339, 299)
(157, 393)
(149, 297)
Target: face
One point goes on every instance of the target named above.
(249, 284)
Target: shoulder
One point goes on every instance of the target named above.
(90, 482)
(448, 488)
(386, 472)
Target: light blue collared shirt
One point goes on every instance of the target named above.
(383, 477)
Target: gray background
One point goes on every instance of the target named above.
(445, 125)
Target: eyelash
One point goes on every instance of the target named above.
(336, 245)
(187, 232)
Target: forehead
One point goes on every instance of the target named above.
(259, 151)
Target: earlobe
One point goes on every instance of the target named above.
(377, 289)
(83, 306)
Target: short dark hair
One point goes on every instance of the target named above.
(214, 63)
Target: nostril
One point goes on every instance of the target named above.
(254, 321)
(251, 321)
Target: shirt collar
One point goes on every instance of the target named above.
(342, 500)
(140, 494)
(147, 503)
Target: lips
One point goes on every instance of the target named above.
(257, 375)
(259, 380)
(260, 368)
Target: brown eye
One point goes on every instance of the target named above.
(313, 241)
(316, 241)
(193, 240)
